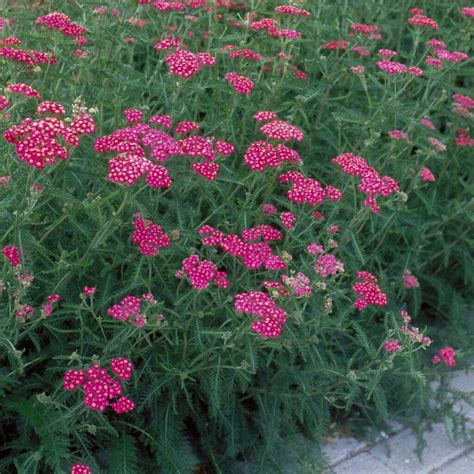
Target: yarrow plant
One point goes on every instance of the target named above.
(227, 223)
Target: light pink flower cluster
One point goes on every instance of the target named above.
(12, 254)
(413, 332)
(437, 144)
(327, 264)
(202, 272)
(398, 135)
(271, 316)
(426, 122)
(253, 254)
(368, 291)
(299, 283)
(463, 140)
(450, 56)
(100, 390)
(468, 11)
(409, 280)
(371, 184)
(149, 237)
(464, 104)
(427, 175)
(447, 355)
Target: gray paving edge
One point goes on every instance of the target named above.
(394, 453)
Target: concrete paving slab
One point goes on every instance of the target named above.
(462, 465)
(342, 448)
(363, 463)
(403, 459)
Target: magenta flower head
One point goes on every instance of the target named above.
(12, 254)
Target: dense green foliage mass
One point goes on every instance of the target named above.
(210, 392)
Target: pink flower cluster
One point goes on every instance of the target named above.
(422, 20)
(241, 84)
(288, 220)
(447, 355)
(129, 309)
(468, 11)
(427, 175)
(12, 254)
(185, 64)
(464, 104)
(308, 190)
(23, 89)
(259, 304)
(202, 273)
(327, 264)
(366, 30)
(393, 67)
(463, 140)
(89, 291)
(80, 469)
(398, 135)
(245, 53)
(50, 107)
(253, 254)
(149, 237)
(368, 291)
(282, 131)
(27, 56)
(270, 25)
(299, 283)
(409, 280)
(412, 332)
(4, 102)
(371, 184)
(39, 142)
(336, 44)
(392, 345)
(99, 388)
(61, 22)
(132, 144)
(291, 10)
(262, 154)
